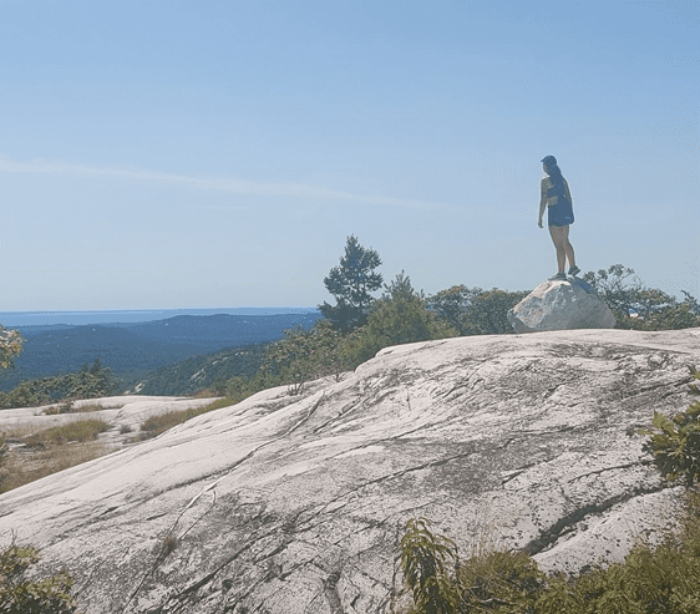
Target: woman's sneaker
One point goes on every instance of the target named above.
(574, 271)
(558, 277)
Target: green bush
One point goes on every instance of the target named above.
(89, 383)
(237, 387)
(18, 595)
(11, 342)
(638, 307)
(424, 562)
(473, 311)
(663, 580)
(305, 355)
(675, 442)
(499, 581)
(400, 316)
(560, 596)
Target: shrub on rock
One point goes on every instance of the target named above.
(638, 307)
(400, 316)
(473, 311)
(650, 581)
(675, 442)
(19, 595)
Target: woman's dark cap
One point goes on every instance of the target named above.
(549, 161)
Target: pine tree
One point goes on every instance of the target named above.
(351, 284)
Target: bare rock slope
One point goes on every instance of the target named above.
(288, 504)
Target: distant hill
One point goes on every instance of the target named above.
(18, 319)
(133, 349)
(199, 372)
(219, 331)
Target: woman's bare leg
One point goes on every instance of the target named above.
(568, 248)
(565, 251)
(558, 239)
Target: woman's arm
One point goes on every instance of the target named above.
(543, 201)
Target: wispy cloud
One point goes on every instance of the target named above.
(227, 185)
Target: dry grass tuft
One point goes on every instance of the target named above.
(225, 402)
(70, 408)
(17, 432)
(49, 451)
(80, 430)
(169, 544)
(155, 425)
(57, 448)
(20, 468)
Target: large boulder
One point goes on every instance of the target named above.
(293, 504)
(560, 305)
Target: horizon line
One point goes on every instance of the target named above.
(138, 309)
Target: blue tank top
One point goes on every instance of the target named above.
(559, 191)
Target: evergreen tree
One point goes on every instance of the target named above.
(351, 284)
(400, 316)
(10, 346)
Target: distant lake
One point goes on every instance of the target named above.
(9, 319)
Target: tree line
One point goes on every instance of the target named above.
(89, 382)
(359, 324)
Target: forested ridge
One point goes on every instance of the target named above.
(134, 350)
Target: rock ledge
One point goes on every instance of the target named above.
(285, 504)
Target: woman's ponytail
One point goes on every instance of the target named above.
(556, 176)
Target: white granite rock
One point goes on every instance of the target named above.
(293, 504)
(561, 305)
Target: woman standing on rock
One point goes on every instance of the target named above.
(556, 197)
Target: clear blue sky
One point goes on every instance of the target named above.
(210, 153)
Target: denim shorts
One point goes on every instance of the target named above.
(560, 215)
